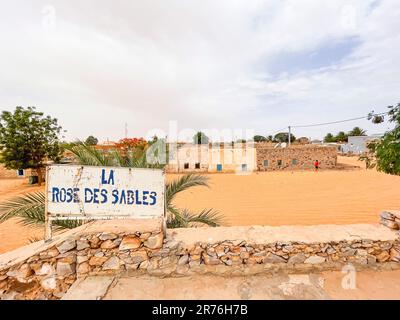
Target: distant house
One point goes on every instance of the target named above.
(17, 174)
(316, 141)
(358, 144)
(303, 140)
(212, 158)
(10, 173)
(295, 157)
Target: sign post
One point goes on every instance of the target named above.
(102, 193)
(47, 221)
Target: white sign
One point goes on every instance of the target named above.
(104, 192)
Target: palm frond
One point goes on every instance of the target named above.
(68, 224)
(174, 218)
(183, 183)
(31, 203)
(117, 159)
(30, 209)
(208, 217)
(88, 155)
(186, 219)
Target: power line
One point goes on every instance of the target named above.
(323, 124)
(340, 121)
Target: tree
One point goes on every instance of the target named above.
(241, 141)
(284, 137)
(131, 144)
(27, 139)
(376, 118)
(341, 137)
(329, 138)
(259, 138)
(91, 141)
(357, 131)
(30, 207)
(385, 153)
(200, 138)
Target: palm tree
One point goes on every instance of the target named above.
(30, 207)
(357, 131)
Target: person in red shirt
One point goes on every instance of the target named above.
(316, 165)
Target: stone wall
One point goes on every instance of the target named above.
(46, 271)
(391, 219)
(294, 157)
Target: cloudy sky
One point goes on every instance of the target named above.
(260, 65)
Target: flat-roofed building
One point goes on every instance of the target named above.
(295, 157)
(216, 158)
(358, 144)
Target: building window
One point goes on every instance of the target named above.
(197, 165)
(219, 167)
(186, 166)
(280, 162)
(244, 167)
(294, 162)
(266, 163)
(20, 172)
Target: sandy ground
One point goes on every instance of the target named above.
(298, 197)
(12, 187)
(327, 285)
(273, 198)
(12, 233)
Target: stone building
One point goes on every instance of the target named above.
(302, 140)
(294, 157)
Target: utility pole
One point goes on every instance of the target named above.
(290, 136)
(126, 130)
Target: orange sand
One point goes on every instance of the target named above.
(12, 233)
(271, 198)
(299, 197)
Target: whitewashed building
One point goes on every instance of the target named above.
(358, 144)
(212, 158)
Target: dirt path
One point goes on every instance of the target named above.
(327, 285)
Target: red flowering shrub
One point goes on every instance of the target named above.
(131, 143)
